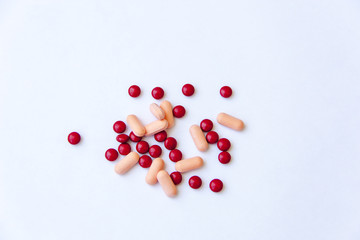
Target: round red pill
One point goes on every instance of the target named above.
(223, 144)
(157, 93)
(176, 177)
(224, 157)
(122, 138)
(145, 161)
(124, 149)
(216, 185)
(195, 182)
(134, 138)
(175, 155)
(179, 111)
(111, 154)
(188, 90)
(206, 125)
(134, 91)
(155, 151)
(119, 127)
(142, 147)
(161, 136)
(212, 137)
(170, 143)
(74, 138)
(226, 91)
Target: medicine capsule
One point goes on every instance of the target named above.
(156, 166)
(166, 183)
(189, 164)
(157, 111)
(155, 127)
(166, 106)
(230, 121)
(199, 138)
(125, 164)
(135, 125)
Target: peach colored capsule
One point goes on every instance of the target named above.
(166, 106)
(135, 125)
(230, 121)
(199, 138)
(156, 166)
(125, 164)
(155, 127)
(189, 164)
(157, 111)
(166, 183)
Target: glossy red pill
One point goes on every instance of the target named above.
(134, 138)
(195, 182)
(206, 125)
(161, 136)
(119, 127)
(134, 91)
(176, 177)
(142, 147)
(124, 149)
(216, 185)
(226, 91)
(157, 93)
(179, 111)
(224, 157)
(212, 137)
(122, 138)
(155, 151)
(111, 154)
(170, 143)
(223, 144)
(188, 90)
(175, 155)
(145, 161)
(74, 138)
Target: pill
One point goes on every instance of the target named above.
(175, 155)
(188, 90)
(230, 121)
(155, 127)
(195, 182)
(199, 138)
(123, 138)
(111, 154)
(166, 106)
(155, 151)
(134, 91)
(170, 143)
(189, 164)
(226, 91)
(74, 138)
(124, 148)
(145, 161)
(119, 127)
(135, 125)
(224, 157)
(176, 177)
(125, 164)
(134, 138)
(161, 136)
(157, 93)
(156, 166)
(223, 144)
(212, 137)
(206, 125)
(216, 185)
(142, 147)
(157, 111)
(166, 183)
(179, 111)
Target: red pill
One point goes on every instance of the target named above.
(134, 138)
(175, 155)
(179, 111)
(223, 144)
(226, 91)
(74, 138)
(111, 154)
(188, 90)
(224, 157)
(206, 125)
(212, 137)
(155, 151)
(170, 143)
(216, 185)
(145, 161)
(176, 177)
(123, 138)
(142, 147)
(161, 136)
(119, 127)
(195, 182)
(124, 149)
(157, 93)
(134, 91)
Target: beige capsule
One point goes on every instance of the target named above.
(199, 138)
(155, 127)
(125, 164)
(189, 164)
(166, 183)
(156, 166)
(167, 108)
(136, 126)
(157, 111)
(230, 121)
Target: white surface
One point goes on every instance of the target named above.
(294, 68)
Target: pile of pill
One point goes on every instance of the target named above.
(165, 115)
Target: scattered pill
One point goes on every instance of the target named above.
(176, 177)
(216, 185)
(155, 127)
(226, 91)
(157, 93)
(134, 91)
(119, 127)
(188, 90)
(157, 111)
(134, 138)
(136, 126)
(125, 164)
(206, 125)
(195, 182)
(199, 138)
(166, 183)
(124, 149)
(223, 144)
(161, 136)
(189, 164)
(212, 137)
(170, 143)
(167, 108)
(179, 111)
(224, 157)
(123, 138)
(175, 155)
(145, 161)
(156, 166)
(74, 138)
(230, 121)
(155, 151)
(142, 147)
(111, 154)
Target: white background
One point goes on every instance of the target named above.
(294, 68)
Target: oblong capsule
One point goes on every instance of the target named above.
(199, 138)
(230, 121)
(125, 164)
(155, 127)
(167, 108)
(136, 126)
(189, 164)
(166, 183)
(157, 111)
(156, 166)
